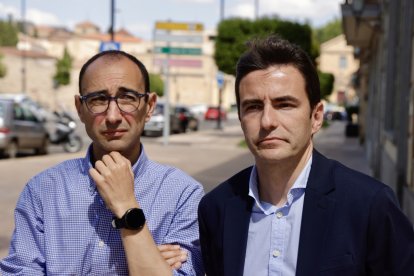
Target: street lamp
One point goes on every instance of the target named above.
(111, 29)
(23, 49)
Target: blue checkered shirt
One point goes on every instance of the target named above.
(64, 228)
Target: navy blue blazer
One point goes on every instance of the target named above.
(351, 225)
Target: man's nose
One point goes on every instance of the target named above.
(269, 117)
(113, 113)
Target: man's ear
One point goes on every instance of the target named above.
(317, 117)
(151, 103)
(79, 108)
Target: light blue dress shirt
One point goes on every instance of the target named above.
(63, 227)
(273, 238)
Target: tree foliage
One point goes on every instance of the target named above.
(63, 68)
(326, 83)
(3, 69)
(156, 84)
(328, 31)
(8, 34)
(233, 34)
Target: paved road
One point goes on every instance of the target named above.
(210, 156)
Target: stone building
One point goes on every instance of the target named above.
(382, 32)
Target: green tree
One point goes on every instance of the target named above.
(326, 83)
(233, 34)
(3, 69)
(328, 31)
(8, 34)
(63, 68)
(156, 84)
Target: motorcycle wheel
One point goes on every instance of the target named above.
(74, 144)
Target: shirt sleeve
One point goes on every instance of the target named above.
(391, 237)
(184, 231)
(26, 248)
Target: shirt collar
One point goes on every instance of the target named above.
(297, 189)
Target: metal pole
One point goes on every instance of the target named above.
(111, 30)
(256, 9)
(221, 10)
(220, 90)
(23, 7)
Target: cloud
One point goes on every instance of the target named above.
(6, 10)
(316, 11)
(195, 1)
(35, 16)
(42, 18)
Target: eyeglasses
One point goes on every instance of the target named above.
(98, 103)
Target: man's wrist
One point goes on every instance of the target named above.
(133, 219)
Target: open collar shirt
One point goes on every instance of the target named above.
(273, 237)
(64, 228)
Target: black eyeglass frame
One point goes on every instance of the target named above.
(84, 98)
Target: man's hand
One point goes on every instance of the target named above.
(115, 182)
(173, 255)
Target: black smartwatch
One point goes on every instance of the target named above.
(133, 219)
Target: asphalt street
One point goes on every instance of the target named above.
(210, 156)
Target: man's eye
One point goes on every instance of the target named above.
(128, 97)
(253, 107)
(284, 105)
(97, 99)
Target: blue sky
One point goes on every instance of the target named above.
(139, 16)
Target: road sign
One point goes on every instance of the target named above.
(192, 63)
(178, 51)
(220, 79)
(178, 38)
(177, 26)
(109, 45)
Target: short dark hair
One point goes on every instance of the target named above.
(273, 50)
(116, 54)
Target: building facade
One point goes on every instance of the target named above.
(382, 33)
(191, 80)
(337, 58)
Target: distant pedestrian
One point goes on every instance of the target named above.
(105, 213)
(295, 212)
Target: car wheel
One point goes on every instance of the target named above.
(193, 125)
(12, 150)
(44, 147)
(74, 144)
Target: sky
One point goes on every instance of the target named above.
(139, 16)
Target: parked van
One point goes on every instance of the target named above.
(20, 129)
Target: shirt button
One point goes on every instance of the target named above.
(276, 253)
(279, 214)
(101, 243)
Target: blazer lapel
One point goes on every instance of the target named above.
(236, 227)
(317, 213)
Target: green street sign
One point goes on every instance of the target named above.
(178, 51)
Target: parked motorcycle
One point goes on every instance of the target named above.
(64, 133)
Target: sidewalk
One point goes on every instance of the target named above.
(331, 142)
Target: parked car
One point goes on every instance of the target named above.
(20, 129)
(181, 119)
(212, 113)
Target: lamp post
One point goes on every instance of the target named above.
(111, 29)
(220, 78)
(23, 70)
(256, 9)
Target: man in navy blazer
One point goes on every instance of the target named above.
(295, 212)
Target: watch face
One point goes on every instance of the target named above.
(135, 218)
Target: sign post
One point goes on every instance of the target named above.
(220, 85)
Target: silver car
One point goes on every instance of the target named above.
(20, 129)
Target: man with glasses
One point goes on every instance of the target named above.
(104, 214)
